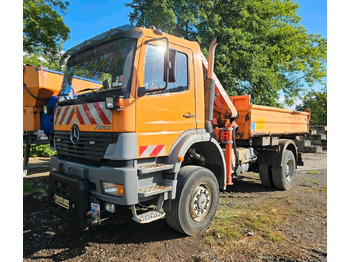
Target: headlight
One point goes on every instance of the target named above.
(112, 189)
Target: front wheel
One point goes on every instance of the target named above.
(196, 202)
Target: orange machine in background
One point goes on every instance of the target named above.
(41, 87)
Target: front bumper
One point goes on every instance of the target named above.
(78, 184)
(126, 176)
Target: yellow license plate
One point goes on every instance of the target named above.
(62, 201)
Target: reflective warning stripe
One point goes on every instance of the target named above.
(87, 114)
(93, 113)
(153, 150)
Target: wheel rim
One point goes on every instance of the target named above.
(289, 170)
(200, 202)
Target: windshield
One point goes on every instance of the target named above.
(103, 68)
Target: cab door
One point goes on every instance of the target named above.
(162, 116)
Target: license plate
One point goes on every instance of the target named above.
(62, 201)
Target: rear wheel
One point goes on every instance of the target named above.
(196, 202)
(283, 176)
(265, 175)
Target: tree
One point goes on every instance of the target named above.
(263, 49)
(317, 102)
(44, 31)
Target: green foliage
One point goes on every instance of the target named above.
(29, 189)
(43, 28)
(263, 49)
(48, 61)
(317, 102)
(40, 151)
(44, 32)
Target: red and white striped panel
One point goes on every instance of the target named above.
(151, 151)
(93, 113)
(64, 115)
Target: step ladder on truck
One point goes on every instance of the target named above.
(155, 132)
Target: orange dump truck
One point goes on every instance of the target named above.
(159, 129)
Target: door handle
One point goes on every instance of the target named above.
(189, 115)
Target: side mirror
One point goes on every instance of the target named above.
(170, 66)
(141, 91)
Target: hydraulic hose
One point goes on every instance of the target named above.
(32, 95)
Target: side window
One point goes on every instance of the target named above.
(154, 68)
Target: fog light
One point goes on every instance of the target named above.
(110, 207)
(112, 189)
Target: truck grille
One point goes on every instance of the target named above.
(91, 145)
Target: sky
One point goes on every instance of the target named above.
(87, 18)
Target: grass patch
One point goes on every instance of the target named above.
(312, 181)
(313, 172)
(29, 189)
(273, 236)
(233, 222)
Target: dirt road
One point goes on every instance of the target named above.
(253, 223)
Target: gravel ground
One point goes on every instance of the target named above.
(303, 231)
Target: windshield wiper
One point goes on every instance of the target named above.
(87, 89)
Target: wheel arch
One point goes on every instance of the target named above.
(208, 147)
(288, 144)
(275, 157)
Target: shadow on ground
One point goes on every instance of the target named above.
(43, 230)
(248, 185)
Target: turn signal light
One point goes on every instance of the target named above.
(115, 103)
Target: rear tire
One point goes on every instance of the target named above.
(283, 176)
(196, 202)
(265, 175)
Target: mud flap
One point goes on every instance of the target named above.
(300, 159)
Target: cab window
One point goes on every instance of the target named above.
(154, 68)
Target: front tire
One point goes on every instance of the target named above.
(196, 202)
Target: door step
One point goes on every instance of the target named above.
(152, 190)
(150, 168)
(149, 216)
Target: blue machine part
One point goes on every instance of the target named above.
(46, 121)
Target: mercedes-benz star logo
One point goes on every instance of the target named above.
(74, 134)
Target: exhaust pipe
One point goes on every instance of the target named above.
(209, 88)
(211, 60)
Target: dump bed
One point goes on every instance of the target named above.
(256, 120)
(43, 83)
